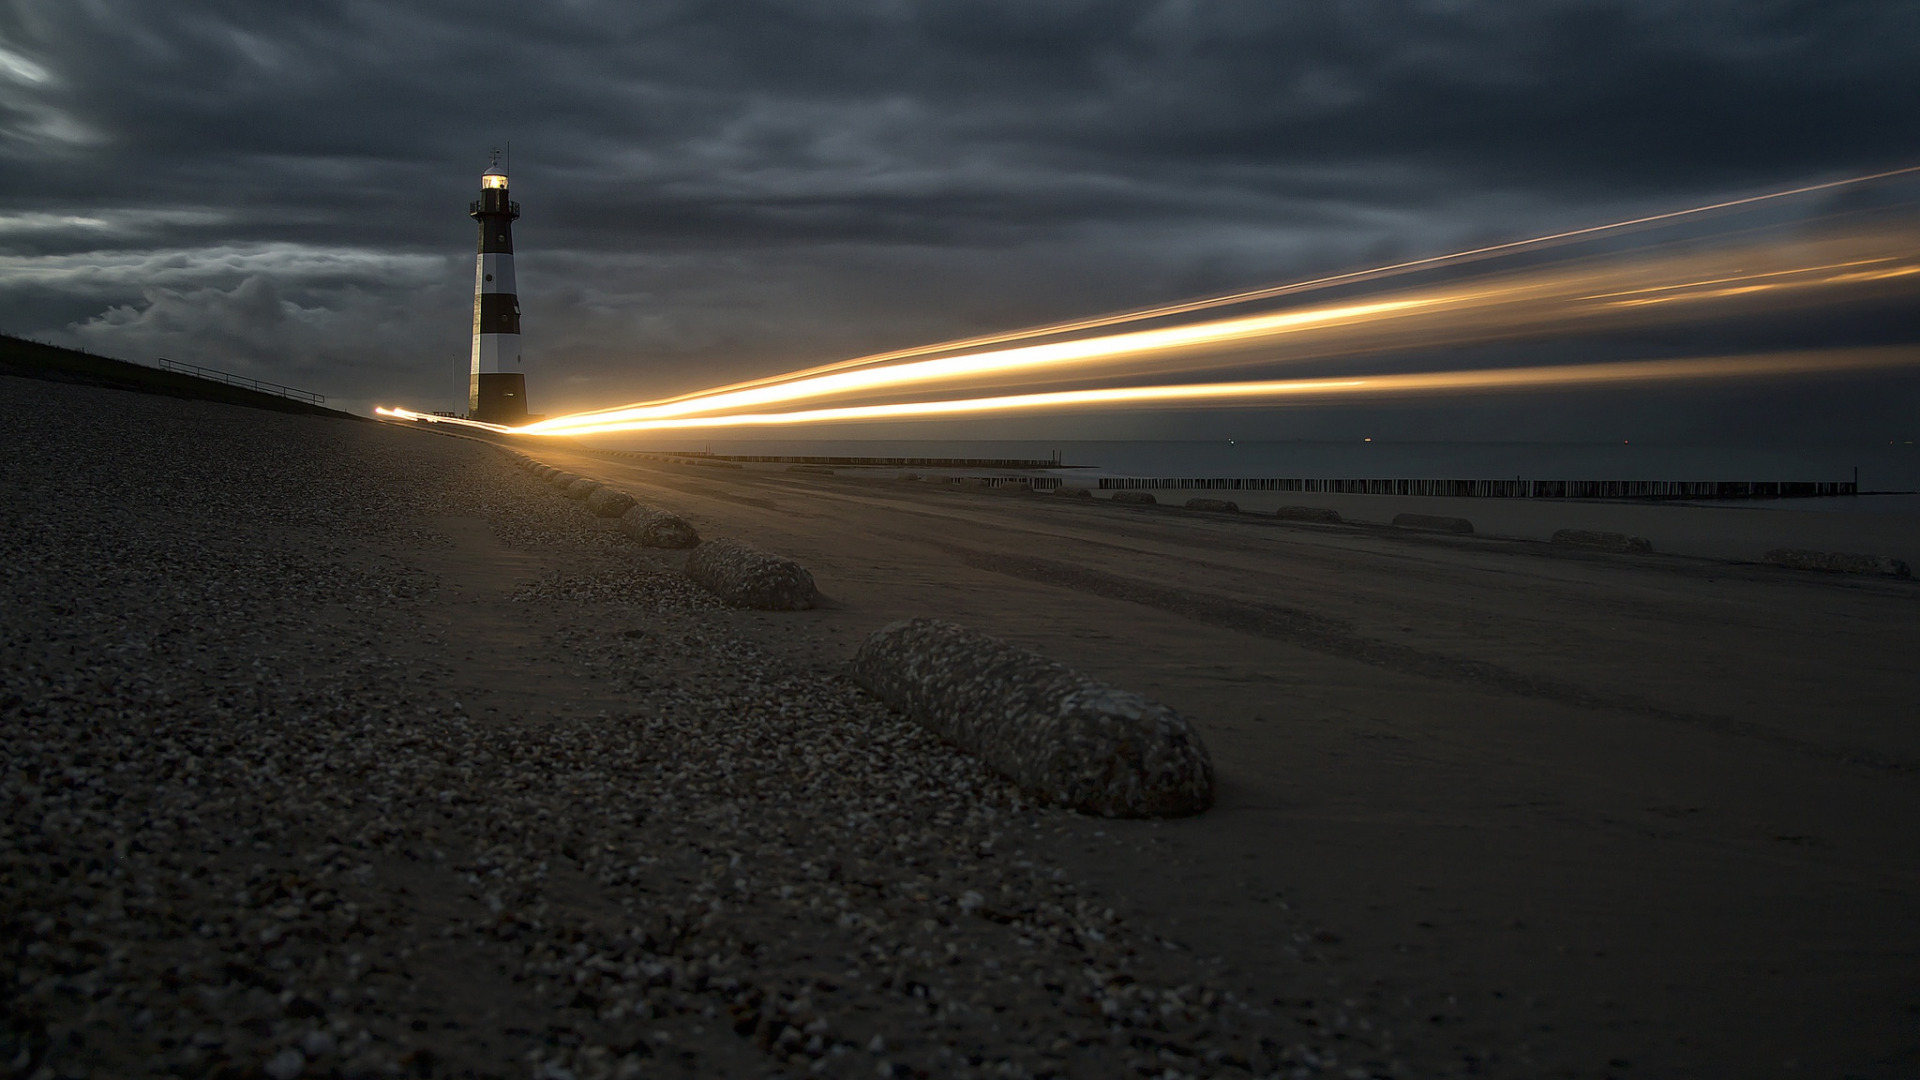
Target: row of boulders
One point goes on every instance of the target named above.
(1065, 738)
(1793, 558)
(650, 525)
(1602, 541)
(737, 573)
(1839, 562)
(1434, 523)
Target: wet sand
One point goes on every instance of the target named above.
(1642, 815)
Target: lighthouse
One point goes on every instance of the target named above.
(497, 391)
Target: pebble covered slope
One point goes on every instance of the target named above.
(249, 826)
(1063, 737)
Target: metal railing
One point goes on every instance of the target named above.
(242, 381)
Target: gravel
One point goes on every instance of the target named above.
(250, 827)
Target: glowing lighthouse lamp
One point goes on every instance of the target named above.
(497, 391)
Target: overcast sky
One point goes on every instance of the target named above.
(715, 190)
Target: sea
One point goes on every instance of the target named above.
(1888, 473)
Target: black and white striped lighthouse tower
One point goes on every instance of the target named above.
(497, 393)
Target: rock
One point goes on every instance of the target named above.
(581, 488)
(654, 527)
(1074, 492)
(561, 479)
(1136, 498)
(745, 576)
(1431, 523)
(1603, 541)
(605, 502)
(1062, 736)
(285, 1065)
(1218, 505)
(1308, 513)
(318, 1044)
(1838, 562)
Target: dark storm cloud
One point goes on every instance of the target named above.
(712, 188)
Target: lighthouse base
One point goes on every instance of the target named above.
(498, 398)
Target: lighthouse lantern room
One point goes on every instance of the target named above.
(497, 390)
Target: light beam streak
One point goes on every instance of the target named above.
(1552, 377)
(1621, 290)
(1529, 302)
(1273, 292)
(976, 366)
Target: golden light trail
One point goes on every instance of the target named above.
(1274, 292)
(976, 366)
(1530, 302)
(1561, 377)
(1648, 287)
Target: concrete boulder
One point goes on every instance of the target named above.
(1602, 541)
(607, 503)
(561, 479)
(1839, 562)
(582, 488)
(1063, 737)
(654, 527)
(1308, 513)
(1134, 498)
(745, 576)
(1431, 523)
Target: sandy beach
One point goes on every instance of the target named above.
(349, 749)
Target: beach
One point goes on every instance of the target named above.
(354, 748)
